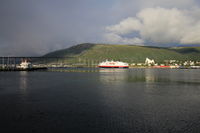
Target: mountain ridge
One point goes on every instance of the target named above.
(128, 53)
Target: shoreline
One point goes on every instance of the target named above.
(57, 68)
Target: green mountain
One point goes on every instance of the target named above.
(127, 53)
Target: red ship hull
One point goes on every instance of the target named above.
(113, 66)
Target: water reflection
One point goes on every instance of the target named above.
(138, 75)
(112, 75)
(79, 70)
(23, 81)
(114, 70)
(150, 75)
(128, 75)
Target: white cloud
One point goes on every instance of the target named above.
(126, 26)
(158, 25)
(115, 38)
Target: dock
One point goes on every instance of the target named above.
(22, 69)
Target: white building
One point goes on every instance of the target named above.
(149, 62)
(189, 63)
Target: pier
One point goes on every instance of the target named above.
(42, 63)
(13, 63)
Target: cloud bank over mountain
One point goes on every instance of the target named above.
(36, 27)
(159, 25)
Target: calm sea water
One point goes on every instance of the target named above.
(101, 101)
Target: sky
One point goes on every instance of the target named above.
(36, 27)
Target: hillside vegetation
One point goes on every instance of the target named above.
(128, 53)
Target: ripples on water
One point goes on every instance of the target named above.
(101, 101)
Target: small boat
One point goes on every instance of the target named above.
(113, 64)
(25, 65)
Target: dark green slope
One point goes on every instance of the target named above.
(72, 51)
(128, 53)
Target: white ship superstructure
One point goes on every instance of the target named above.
(25, 65)
(113, 64)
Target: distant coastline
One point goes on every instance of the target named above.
(90, 55)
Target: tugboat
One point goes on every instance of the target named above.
(25, 65)
(113, 64)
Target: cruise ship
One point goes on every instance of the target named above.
(113, 64)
